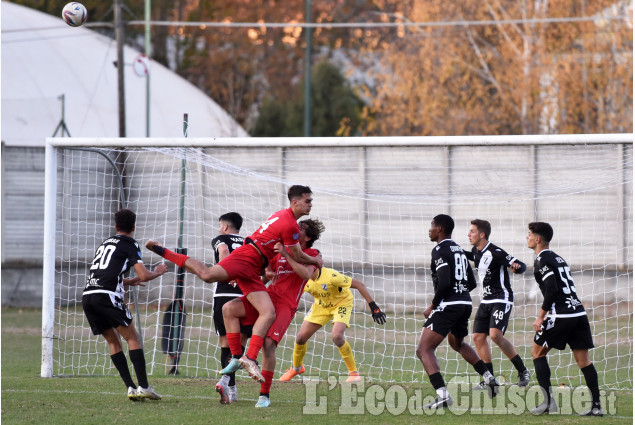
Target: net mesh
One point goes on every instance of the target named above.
(377, 203)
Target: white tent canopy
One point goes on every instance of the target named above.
(43, 58)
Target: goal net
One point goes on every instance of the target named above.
(376, 198)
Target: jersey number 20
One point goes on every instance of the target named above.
(103, 256)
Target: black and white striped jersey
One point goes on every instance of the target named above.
(554, 279)
(113, 258)
(226, 289)
(452, 277)
(491, 266)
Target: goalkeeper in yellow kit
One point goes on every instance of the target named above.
(333, 301)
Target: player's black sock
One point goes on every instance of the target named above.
(480, 367)
(437, 380)
(265, 394)
(159, 250)
(591, 377)
(490, 367)
(518, 363)
(225, 355)
(120, 362)
(139, 363)
(543, 374)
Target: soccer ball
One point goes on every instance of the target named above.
(74, 14)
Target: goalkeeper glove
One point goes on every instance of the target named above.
(378, 316)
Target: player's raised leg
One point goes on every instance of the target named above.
(233, 311)
(192, 265)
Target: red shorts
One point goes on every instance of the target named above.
(245, 265)
(284, 316)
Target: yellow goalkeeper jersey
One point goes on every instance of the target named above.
(331, 289)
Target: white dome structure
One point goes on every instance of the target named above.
(43, 58)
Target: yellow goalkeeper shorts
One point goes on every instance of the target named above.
(322, 316)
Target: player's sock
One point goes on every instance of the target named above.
(233, 340)
(225, 355)
(178, 259)
(437, 381)
(266, 386)
(347, 355)
(299, 351)
(480, 367)
(255, 344)
(120, 362)
(490, 367)
(543, 374)
(591, 377)
(518, 363)
(139, 363)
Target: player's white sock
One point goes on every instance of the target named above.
(442, 393)
(225, 379)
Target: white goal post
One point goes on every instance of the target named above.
(376, 197)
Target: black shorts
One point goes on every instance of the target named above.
(219, 323)
(560, 331)
(451, 318)
(105, 311)
(494, 315)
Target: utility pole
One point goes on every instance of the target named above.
(307, 77)
(121, 93)
(148, 54)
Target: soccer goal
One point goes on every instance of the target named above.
(376, 197)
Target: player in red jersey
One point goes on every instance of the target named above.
(246, 264)
(287, 286)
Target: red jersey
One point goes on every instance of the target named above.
(287, 287)
(281, 226)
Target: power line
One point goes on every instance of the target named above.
(203, 25)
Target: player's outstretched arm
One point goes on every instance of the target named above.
(305, 271)
(301, 257)
(146, 275)
(378, 316)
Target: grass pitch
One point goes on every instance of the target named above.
(27, 398)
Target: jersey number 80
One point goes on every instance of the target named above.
(460, 266)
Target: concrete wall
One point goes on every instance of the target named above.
(376, 203)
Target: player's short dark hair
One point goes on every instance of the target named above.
(297, 191)
(542, 229)
(483, 226)
(446, 222)
(313, 229)
(125, 220)
(233, 218)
